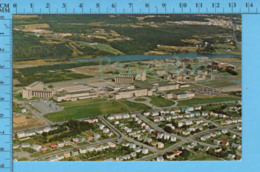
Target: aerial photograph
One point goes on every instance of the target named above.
(157, 87)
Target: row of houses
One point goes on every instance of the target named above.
(213, 134)
(231, 121)
(35, 147)
(158, 113)
(76, 152)
(120, 116)
(23, 134)
(189, 130)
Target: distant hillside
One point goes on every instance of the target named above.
(66, 37)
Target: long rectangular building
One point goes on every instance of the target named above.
(36, 89)
(133, 93)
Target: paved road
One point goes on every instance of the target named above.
(149, 122)
(145, 158)
(129, 139)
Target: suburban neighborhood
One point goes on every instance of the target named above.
(127, 87)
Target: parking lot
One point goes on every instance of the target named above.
(46, 106)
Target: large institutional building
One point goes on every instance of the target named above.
(133, 93)
(180, 96)
(36, 89)
(76, 92)
(124, 79)
(129, 79)
(218, 65)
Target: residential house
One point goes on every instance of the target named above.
(75, 152)
(60, 145)
(20, 134)
(53, 146)
(160, 145)
(44, 149)
(231, 156)
(25, 145)
(160, 158)
(112, 145)
(75, 140)
(101, 126)
(82, 150)
(133, 154)
(66, 154)
(105, 130)
(96, 136)
(36, 147)
(145, 151)
(55, 158)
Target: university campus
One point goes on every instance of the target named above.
(127, 87)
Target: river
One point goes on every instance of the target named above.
(153, 57)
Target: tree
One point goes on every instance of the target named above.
(202, 67)
(231, 71)
(168, 129)
(189, 66)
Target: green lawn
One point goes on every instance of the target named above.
(219, 82)
(82, 102)
(160, 101)
(203, 157)
(23, 159)
(17, 109)
(195, 101)
(135, 106)
(140, 99)
(90, 108)
(18, 96)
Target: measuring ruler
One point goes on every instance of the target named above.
(7, 9)
(6, 122)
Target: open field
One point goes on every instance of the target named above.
(203, 156)
(90, 108)
(195, 101)
(160, 101)
(50, 76)
(31, 123)
(219, 82)
(50, 73)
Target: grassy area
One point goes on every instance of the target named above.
(140, 99)
(90, 108)
(160, 101)
(82, 102)
(195, 101)
(219, 82)
(134, 106)
(48, 76)
(23, 159)
(16, 108)
(203, 156)
(18, 96)
(38, 154)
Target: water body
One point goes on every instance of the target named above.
(123, 58)
(237, 81)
